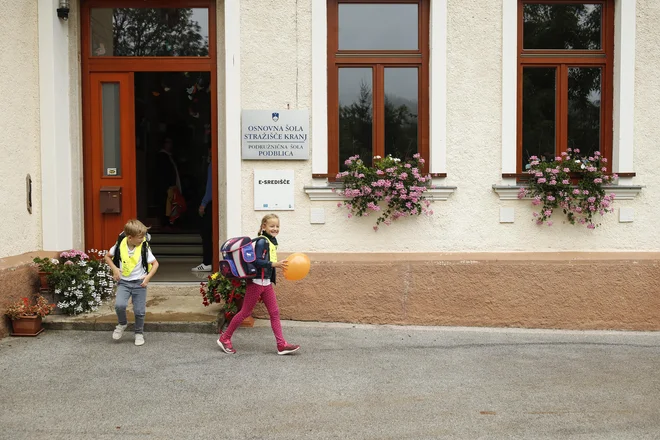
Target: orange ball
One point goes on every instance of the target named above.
(298, 266)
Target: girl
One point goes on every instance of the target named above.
(262, 286)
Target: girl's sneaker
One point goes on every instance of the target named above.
(287, 348)
(139, 339)
(226, 346)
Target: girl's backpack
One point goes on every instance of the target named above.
(238, 258)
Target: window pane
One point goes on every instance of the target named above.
(378, 27)
(143, 32)
(111, 129)
(562, 26)
(584, 91)
(401, 110)
(538, 119)
(355, 114)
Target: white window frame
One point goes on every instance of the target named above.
(320, 189)
(623, 109)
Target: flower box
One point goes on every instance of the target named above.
(27, 326)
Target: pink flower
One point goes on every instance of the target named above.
(591, 226)
(549, 223)
(565, 182)
(375, 228)
(566, 170)
(542, 180)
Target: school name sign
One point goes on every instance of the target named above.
(275, 134)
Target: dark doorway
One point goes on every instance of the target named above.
(173, 142)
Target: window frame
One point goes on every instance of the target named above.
(562, 60)
(378, 61)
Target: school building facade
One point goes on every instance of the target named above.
(90, 88)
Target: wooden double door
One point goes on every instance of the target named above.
(112, 59)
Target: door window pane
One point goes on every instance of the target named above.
(539, 107)
(111, 129)
(401, 111)
(378, 27)
(584, 107)
(562, 26)
(355, 114)
(144, 32)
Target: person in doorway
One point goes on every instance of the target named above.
(262, 287)
(137, 265)
(167, 182)
(206, 213)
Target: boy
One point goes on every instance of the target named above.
(132, 275)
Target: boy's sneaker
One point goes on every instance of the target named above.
(202, 268)
(287, 348)
(226, 346)
(119, 331)
(139, 339)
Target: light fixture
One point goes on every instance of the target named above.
(63, 10)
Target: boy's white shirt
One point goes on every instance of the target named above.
(138, 272)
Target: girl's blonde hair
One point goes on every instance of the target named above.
(135, 228)
(265, 220)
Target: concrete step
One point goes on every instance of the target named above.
(177, 250)
(158, 238)
(165, 313)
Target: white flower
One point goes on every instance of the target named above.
(396, 160)
(55, 261)
(377, 157)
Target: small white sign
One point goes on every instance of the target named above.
(273, 190)
(275, 134)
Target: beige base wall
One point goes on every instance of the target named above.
(18, 278)
(527, 290)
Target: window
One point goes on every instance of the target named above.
(144, 32)
(377, 80)
(565, 78)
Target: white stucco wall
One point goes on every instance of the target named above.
(276, 72)
(19, 124)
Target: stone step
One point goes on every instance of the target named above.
(166, 313)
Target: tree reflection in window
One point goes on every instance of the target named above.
(562, 26)
(143, 32)
(356, 117)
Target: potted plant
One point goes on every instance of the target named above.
(26, 317)
(571, 184)
(391, 187)
(79, 281)
(222, 290)
(46, 266)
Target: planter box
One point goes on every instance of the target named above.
(27, 326)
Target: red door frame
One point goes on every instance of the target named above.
(92, 65)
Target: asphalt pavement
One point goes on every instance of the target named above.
(346, 382)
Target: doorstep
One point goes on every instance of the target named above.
(168, 310)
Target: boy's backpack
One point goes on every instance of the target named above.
(238, 258)
(145, 251)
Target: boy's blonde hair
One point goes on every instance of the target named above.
(135, 228)
(265, 220)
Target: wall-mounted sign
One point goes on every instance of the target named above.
(273, 190)
(275, 134)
